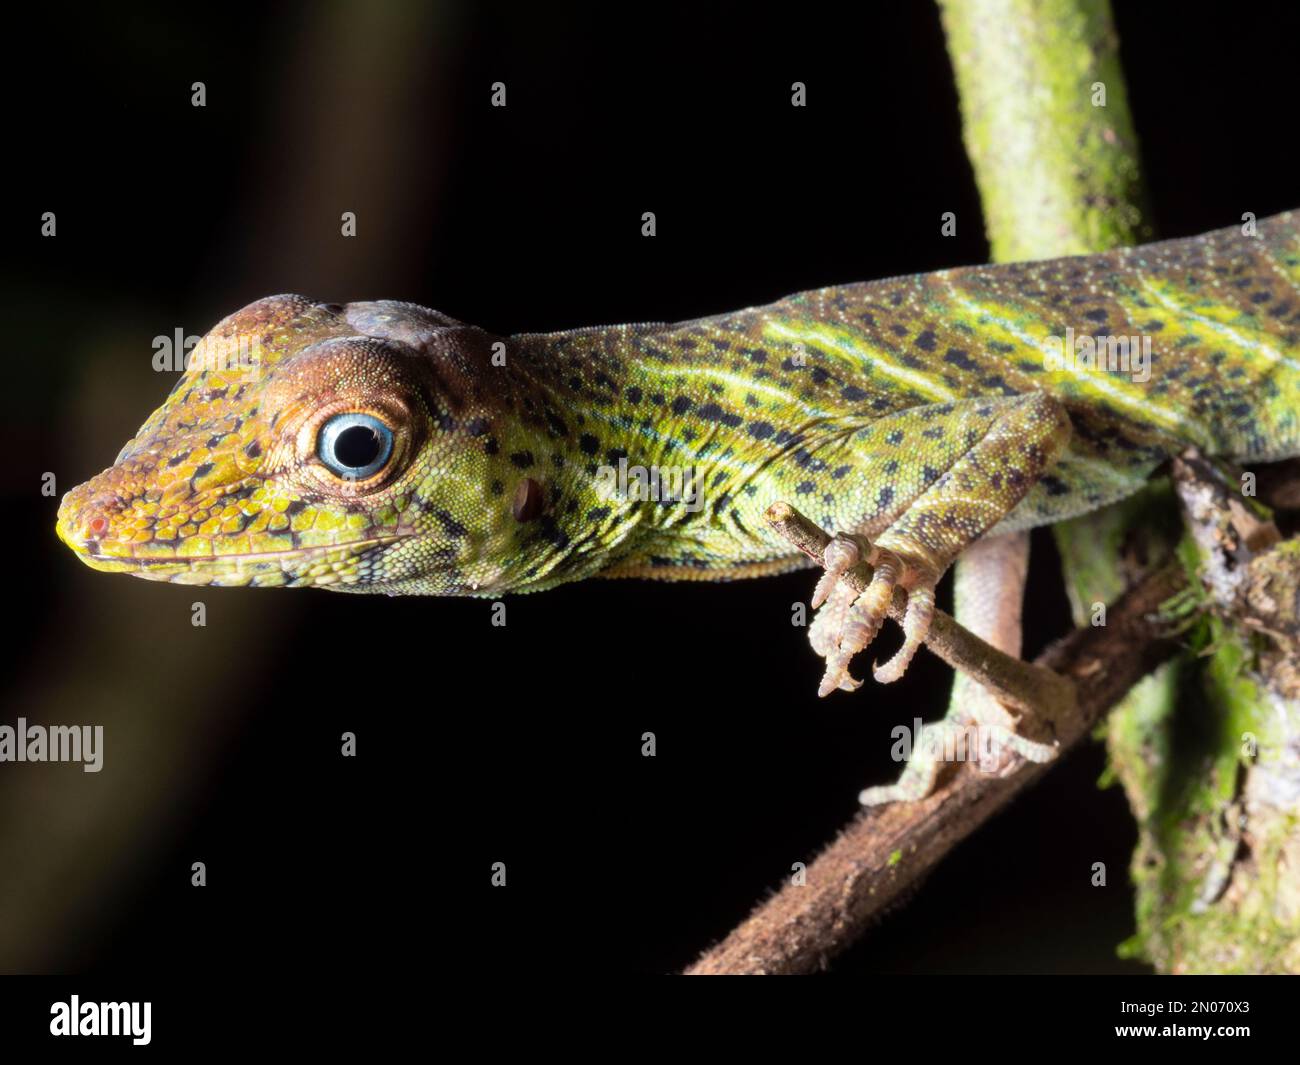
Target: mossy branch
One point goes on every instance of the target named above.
(886, 850)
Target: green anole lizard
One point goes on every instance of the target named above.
(383, 447)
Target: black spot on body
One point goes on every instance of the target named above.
(958, 357)
(549, 530)
(711, 412)
(450, 525)
(805, 460)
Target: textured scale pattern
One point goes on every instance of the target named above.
(916, 411)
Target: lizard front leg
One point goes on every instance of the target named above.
(992, 453)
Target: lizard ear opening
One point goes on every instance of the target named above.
(527, 503)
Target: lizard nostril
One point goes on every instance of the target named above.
(86, 519)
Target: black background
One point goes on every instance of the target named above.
(479, 744)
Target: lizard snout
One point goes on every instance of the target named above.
(86, 516)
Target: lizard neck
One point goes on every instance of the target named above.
(593, 425)
(638, 469)
(555, 420)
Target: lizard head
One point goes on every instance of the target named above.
(349, 447)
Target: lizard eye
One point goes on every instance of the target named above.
(354, 446)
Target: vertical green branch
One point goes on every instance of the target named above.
(1047, 125)
(1048, 132)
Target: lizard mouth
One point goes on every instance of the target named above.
(342, 563)
(92, 550)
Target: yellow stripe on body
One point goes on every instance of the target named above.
(1244, 344)
(1132, 397)
(749, 385)
(845, 344)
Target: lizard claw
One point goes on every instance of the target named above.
(848, 623)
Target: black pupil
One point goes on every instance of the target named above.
(356, 446)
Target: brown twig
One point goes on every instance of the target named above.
(886, 850)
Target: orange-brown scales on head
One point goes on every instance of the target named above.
(284, 456)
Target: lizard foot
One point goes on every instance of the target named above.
(849, 622)
(992, 745)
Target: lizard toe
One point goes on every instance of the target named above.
(916, 626)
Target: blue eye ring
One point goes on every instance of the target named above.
(354, 446)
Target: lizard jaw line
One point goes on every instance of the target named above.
(122, 563)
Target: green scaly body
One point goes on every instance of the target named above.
(918, 409)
